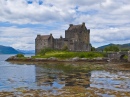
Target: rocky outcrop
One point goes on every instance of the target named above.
(53, 59)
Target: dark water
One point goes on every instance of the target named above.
(45, 77)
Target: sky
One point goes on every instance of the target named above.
(22, 20)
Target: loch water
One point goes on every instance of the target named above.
(47, 77)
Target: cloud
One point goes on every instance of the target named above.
(108, 20)
(20, 11)
(24, 38)
(111, 35)
(17, 37)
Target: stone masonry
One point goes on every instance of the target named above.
(77, 38)
(119, 56)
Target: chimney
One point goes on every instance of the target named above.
(51, 34)
(83, 23)
(38, 35)
(60, 37)
(71, 25)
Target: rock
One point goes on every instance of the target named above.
(52, 58)
(98, 58)
(75, 59)
(84, 59)
(11, 58)
(40, 59)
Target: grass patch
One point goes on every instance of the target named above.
(68, 54)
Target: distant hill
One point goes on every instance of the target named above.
(121, 46)
(27, 51)
(8, 50)
(101, 48)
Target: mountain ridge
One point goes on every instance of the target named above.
(121, 46)
(27, 51)
(11, 50)
(8, 50)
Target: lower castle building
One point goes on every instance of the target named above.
(77, 38)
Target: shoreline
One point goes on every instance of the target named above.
(72, 60)
(53, 59)
(109, 64)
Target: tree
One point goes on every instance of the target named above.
(93, 49)
(111, 48)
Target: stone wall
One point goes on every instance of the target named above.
(58, 43)
(40, 44)
(77, 38)
(119, 55)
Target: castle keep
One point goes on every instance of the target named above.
(77, 38)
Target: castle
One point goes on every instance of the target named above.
(77, 38)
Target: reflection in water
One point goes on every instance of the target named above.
(56, 76)
(48, 80)
(16, 76)
(78, 79)
(111, 80)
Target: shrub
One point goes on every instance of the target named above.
(81, 56)
(113, 48)
(93, 49)
(125, 57)
(45, 50)
(65, 48)
(19, 55)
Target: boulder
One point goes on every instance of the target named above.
(75, 59)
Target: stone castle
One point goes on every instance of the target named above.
(77, 38)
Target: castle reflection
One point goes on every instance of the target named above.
(49, 76)
(78, 79)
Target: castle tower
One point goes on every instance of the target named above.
(77, 38)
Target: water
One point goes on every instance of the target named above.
(119, 81)
(46, 77)
(13, 76)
